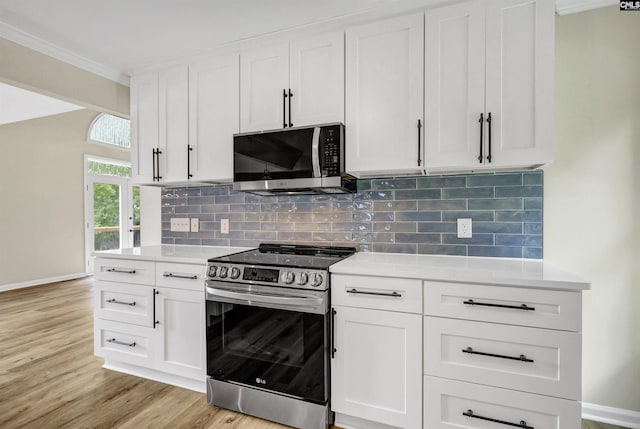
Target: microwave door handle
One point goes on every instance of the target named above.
(264, 299)
(315, 152)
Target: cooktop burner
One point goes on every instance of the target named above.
(288, 255)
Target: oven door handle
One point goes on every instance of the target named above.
(250, 298)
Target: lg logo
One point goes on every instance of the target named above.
(260, 381)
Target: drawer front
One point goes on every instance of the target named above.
(125, 271)
(124, 302)
(124, 342)
(515, 357)
(181, 276)
(380, 293)
(514, 306)
(447, 401)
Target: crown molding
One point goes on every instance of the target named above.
(565, 7)
(25, 39)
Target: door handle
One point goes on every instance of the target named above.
(489, 129)
(290, 97)
(481, 120)
(189, 150)
(419, 137)
(284, 108)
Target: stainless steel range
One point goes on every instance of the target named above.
(268, 332)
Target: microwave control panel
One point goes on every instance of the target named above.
(331, 152)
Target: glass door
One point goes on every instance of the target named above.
(112, 208)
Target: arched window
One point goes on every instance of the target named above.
(111, 130)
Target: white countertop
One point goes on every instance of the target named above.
(494, 271)
(171, 253)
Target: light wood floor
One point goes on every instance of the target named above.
(49, 377)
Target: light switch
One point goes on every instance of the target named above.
(195, 224)
(180, 224)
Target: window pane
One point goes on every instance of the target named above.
(111, 130)
(106, 216)
(97, 167)
(136, 215)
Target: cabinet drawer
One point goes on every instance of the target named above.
(123, 342)
(511, 305)
(381, 293)
(515, 357)
(180, 276)
(125, 271)
(445, 401)
(124, 302)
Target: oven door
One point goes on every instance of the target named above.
(269, 338)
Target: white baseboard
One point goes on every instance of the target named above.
(39, 282)
(613, 416)
(174, 380)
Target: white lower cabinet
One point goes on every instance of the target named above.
(376, 367)
(456, 404)
(154, 330)
(181, 332)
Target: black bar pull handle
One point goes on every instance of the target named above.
(522, 424)
(189, 150)
(333, 333)
(158, 152)
(419, 138)
(486, 304)
(393, 294)
(114, 341)
(481, 121)
(489, 125)
(155, 322)
(153, 163)
(290, 97)
(180, 276)
(118, 270)
(284, 108)
(115, 301)
(522, 358)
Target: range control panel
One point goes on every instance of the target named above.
(299, 278)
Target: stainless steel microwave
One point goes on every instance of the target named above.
(299, 160)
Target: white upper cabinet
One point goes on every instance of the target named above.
(173, 102)
(316, 78)
(520, 67)
(263, 84)
(214, 106)
(384, 96)
(489, 85)
(144, 126)
(296, 84)
(454, 85)
(159, 122)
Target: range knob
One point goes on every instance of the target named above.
(287, 277)
(213, 270)
(235, 273)
(302, 279)
(316, 280)
(222, 272)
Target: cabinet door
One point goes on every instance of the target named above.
(384, 96)
(264, 75)
(214, 116)
(173, 106)
(144, 125)
(519, 92)
(317, 80)
(181, 332)
(454, 86)
(376, 370)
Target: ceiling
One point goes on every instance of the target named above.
(20, 105)
(118, 38)
(125, 36)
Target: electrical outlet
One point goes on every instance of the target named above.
(224, 226)
(195, 224)
(180, 224)
(465, 228)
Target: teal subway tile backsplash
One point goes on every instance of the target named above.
(398, 215)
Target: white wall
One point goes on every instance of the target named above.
(42, 196)
(592, 193)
